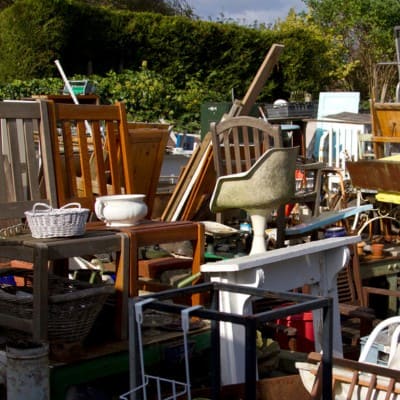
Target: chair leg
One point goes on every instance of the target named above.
(258, 222)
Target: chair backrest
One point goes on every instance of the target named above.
(146, 144)
(238, 142)
(90, 151)
(25, 157)
(350, 379)
(350, 285)
(387, 331)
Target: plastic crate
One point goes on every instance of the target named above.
(83, 87)
(379, 352)
(292, 110)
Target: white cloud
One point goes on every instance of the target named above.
(262, 11)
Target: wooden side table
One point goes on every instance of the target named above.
(41, 251)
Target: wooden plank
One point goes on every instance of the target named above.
(184, 179)
(202, 189)
(147, 146)
(190, 190)
(191, 184)
(261, 77)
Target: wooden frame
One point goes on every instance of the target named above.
(90, 151)
(385, 125)
(146, 144)
(25, 153)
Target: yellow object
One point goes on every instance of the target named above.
(389, 197)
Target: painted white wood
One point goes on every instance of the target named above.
(315, 264)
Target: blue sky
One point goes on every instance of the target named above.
(247, 11)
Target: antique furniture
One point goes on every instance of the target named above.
(30, 177)
(86, 143)
(350, 379)
(24, 148)
(238, 142)
(268, 184)
(315, 264)
(385, 130)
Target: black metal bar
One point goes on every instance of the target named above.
(251, 360)
(327, 341)
(216, 348)
(298, 303)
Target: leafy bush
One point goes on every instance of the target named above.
(148, 95)
(162, 67)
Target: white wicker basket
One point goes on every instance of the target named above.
(49, 222)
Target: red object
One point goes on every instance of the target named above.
(288, 209)
(303, 323)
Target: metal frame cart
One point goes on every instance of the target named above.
(161, 302)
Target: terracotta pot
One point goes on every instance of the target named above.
(377, 249)
(360, 248)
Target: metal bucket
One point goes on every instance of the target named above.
(27, 371)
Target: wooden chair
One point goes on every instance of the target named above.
(29, 177)
(25, 149)
(238, 142)
(356, 318)
(87, 143)
(373, 376)
(350, 379)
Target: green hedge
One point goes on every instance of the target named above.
(161, 66)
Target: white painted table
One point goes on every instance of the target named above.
(315, 264)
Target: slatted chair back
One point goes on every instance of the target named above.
(90, 152)
(238, 142)
(25, 157)
(352, 379)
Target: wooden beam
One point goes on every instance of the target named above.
(259, 80)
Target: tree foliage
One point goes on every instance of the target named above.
(366, 29)
(334, 47)
(310, 61)
(167, 7)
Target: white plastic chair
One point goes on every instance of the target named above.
(391, 328)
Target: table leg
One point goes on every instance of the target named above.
(122, 288)
(40, 293)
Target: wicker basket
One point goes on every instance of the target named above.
(73, 305)
(57, 222)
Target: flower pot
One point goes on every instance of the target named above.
(377, 249)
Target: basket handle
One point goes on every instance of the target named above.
(46, 206)
(78, 205)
